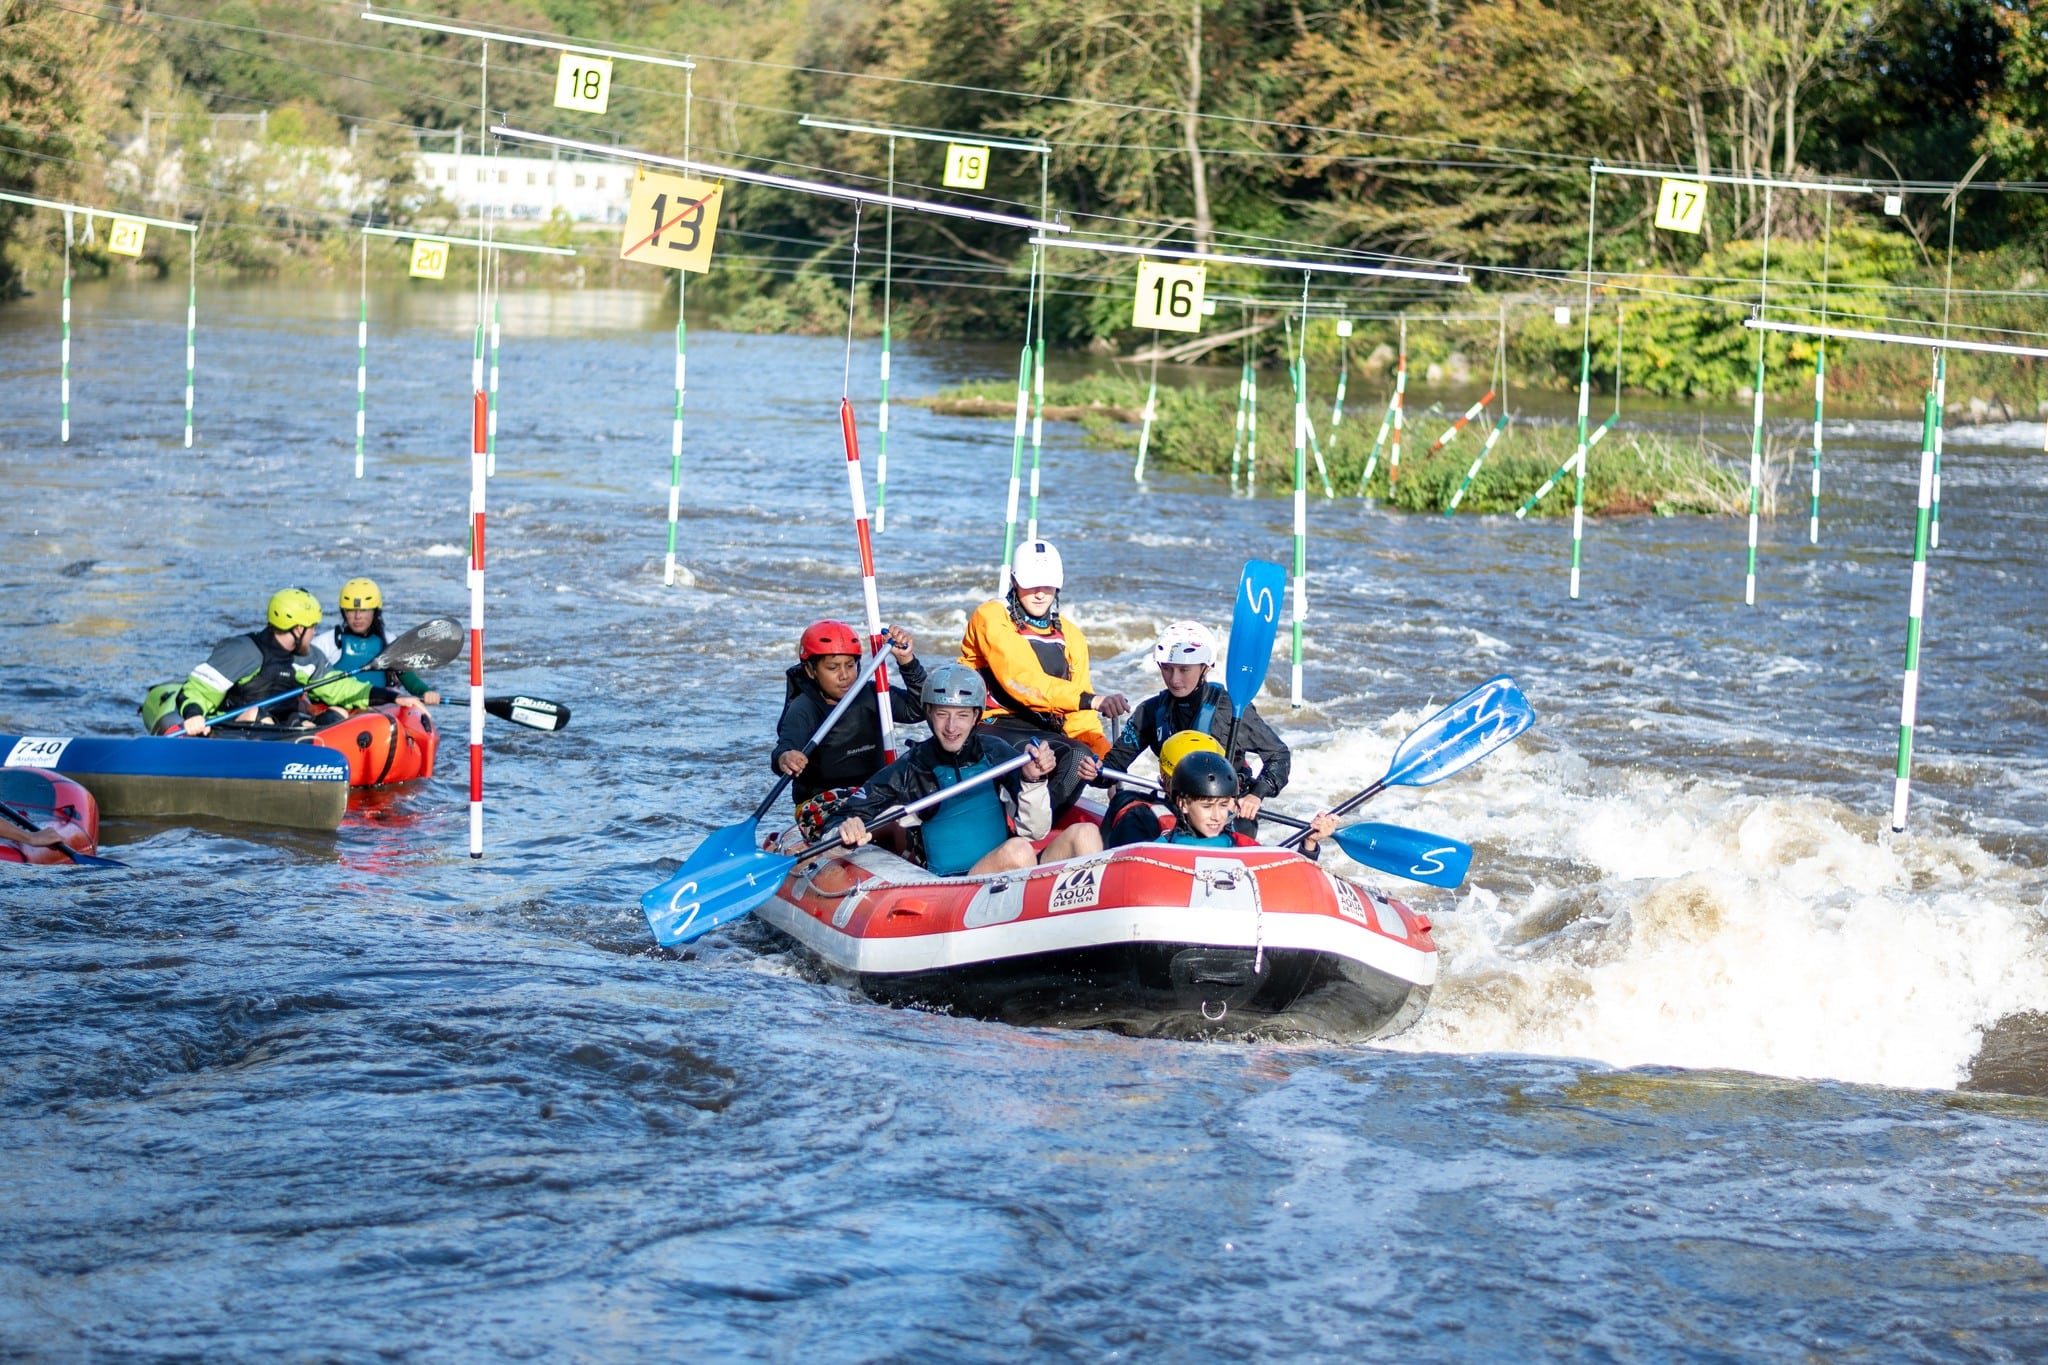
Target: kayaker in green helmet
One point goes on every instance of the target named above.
(242, 672)
(989, 829)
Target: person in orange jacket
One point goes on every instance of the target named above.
(1035, 666)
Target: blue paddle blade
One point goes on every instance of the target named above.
(1426, 858)
(690, 904)
(1254, 623)
(1462, 733)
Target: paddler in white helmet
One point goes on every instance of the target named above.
(1185, 652)
(990, 828)
(1034, 664)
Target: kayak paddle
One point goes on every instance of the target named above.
(1426, 858)
(82, 859)
(739, 840)
(691, 904)
(430, 644)
(1391, 849)
(1454, 738)
(535, 713)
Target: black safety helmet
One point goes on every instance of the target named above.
(1204, 774)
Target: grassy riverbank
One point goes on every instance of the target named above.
(1628, 473)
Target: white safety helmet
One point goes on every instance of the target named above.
(1185, 642)
(1037, 565)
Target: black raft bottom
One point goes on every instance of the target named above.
(1170, 990)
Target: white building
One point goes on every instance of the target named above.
(527, 189)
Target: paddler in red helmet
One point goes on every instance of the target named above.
(1035, 666)
(828, 660)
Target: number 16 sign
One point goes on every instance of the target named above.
(671, 221)
(1169, 296)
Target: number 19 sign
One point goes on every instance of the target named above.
(1169, 296)
(672, 222)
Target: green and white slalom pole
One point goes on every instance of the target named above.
(1343, 375)
(1756, 471)
(1820, 376)
(64, 358)
(1037, 338)
(1400, 404)
(1574, 463)
(1940, 421)
(1379, 441)
(1252, 430)
(1492, 437)
(1297, 372)
(1244, 378)
(675, 435)
(191, 332)
(1577, 463)
(1016, 468)
(1150, 414)
(1916, 607)
(362, 351)
(1300, 368)
(882, 416)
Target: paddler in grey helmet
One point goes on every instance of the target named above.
(990, 828)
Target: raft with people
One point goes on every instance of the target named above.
(45, 817)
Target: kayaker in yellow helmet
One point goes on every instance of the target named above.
(358, 639)
(244, 670)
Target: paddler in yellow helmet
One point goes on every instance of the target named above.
(358, 639)
(1035, 666)
(243, 671)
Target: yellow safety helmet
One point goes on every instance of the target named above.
(1179, 746)
(360, 594)
(292, 607)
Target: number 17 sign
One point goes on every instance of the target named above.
(671, 222)
(1169, 296)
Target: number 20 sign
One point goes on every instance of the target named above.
(1169, 296)
(671, 222)
(1681, 205)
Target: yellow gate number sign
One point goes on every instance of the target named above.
(429, 260)
(124, 238)
(583, 83)
(966, 166)
(1169, 296)
(671, 222)
(1681, 205)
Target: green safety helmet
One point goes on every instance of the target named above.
(293, 607)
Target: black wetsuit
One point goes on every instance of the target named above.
(851, 752)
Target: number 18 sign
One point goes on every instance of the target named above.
(671, 222)
(1169, 296)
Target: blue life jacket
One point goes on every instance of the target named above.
(958, 832)
(356, 650)
(1185, 834)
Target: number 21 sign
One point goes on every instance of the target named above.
(1169, 296)
(672, 222)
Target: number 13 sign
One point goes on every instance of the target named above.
(1169, 297)
(671, 221)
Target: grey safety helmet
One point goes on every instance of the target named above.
(954, 685)
(1204, 774)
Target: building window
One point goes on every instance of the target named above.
(532, 179)
(600, 182)
(551, 177)
(501, 177)
(579, 182)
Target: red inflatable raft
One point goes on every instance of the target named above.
(49, 799)
(1157, 940)
(384, 745)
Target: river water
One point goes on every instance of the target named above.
(1719, 1068)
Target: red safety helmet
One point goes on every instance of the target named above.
(828, 637)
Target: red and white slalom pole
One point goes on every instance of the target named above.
(1459, 425)
(479, 447)
(876, 639)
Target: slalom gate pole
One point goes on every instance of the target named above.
(1244, 371)
(191, 332)
(882, 412)
(1400, 403)
(1477, 460)
(877, 639)
(1150, 415)
(1300, 369)
(1016, 469)
(1916, 607)
(64, 358)
(675, 431)
(362, 352)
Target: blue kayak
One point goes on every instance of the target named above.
(300, 785)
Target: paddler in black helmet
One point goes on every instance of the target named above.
(1204, 791)
(243, 671)
(991, 828)
(1035, 667)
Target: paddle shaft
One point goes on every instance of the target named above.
(897, 813)
(1147, 784)
(82, 859)
(867, 671)
(388, 657)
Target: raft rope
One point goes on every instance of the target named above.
(362, 345)
(1916, 603)
(882, 408)
(675, 437)
(1820, 368)
(878, 640)
(1756, 424)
